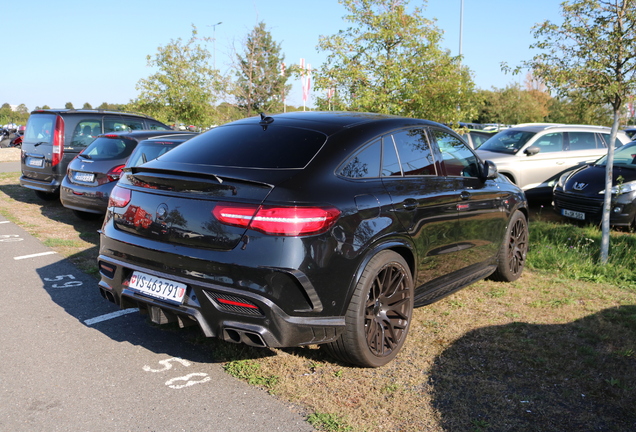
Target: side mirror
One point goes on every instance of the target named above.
(532, 150)
(490, 170)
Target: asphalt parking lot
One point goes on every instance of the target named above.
(74, 362)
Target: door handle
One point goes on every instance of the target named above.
(465, 195)
(410, 204)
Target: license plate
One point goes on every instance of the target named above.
(34, 162)
(84, 177)
(573, 214)
(160, 288)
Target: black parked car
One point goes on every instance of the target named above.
(579, 194)
(53, 137)
(310, 228)
(91, 176)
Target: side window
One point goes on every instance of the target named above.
(414, 152)
(390, 162)
(583, 141)
(549, 143)
(457, 158)
(364, 164)
(122, 125)
(606, 139)
(84, 133)
(156, 126)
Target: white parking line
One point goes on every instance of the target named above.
(1, 222)
(33, 256)
(109, 316)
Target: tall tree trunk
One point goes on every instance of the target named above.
(607, 204)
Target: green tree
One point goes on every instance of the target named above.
(68, 105)
(578, 111)
(184, 87)
(87, 106)
(591, 55)
(390, 61)
(260, 84)
(512, 105)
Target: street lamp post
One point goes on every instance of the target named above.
(214, 43)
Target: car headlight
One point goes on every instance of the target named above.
(622, 188)
(563, 179)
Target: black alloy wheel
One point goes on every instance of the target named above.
(379, 314)
(514, 248)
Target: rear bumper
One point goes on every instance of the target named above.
(52, 186)
(84, 198)
(266, 326)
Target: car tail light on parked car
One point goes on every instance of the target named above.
(286, 221)
(119, 197)
(111, 176)
(58, 141)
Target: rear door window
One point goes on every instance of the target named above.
(584, 141)
(414, 152)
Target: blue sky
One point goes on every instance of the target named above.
(89, 51)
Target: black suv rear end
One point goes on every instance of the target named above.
(54, 137)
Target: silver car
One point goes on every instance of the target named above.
(534, 156)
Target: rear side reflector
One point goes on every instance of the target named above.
(273, 220)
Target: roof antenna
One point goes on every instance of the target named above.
(265, 121)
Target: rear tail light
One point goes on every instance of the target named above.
(111, 176)
(284, 221)
(119, 197)
(58, 141)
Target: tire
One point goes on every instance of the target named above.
(47, 196)
(379, 314)
(513, 251)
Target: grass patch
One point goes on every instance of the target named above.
(573, 252)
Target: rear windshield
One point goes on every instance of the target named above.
(39, 128)
(104, 148)
(507, 141)
(249, 146)
(149, 150)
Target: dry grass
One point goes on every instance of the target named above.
(544, 353)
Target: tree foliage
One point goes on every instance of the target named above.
(184, 86)
(591, 56)
(260, 85)
(390, 61)
(512, 105)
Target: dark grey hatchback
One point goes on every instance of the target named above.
(92, 174)
(310, 228)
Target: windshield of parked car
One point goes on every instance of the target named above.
(624, 156)
(507, 141)
(250, 146)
